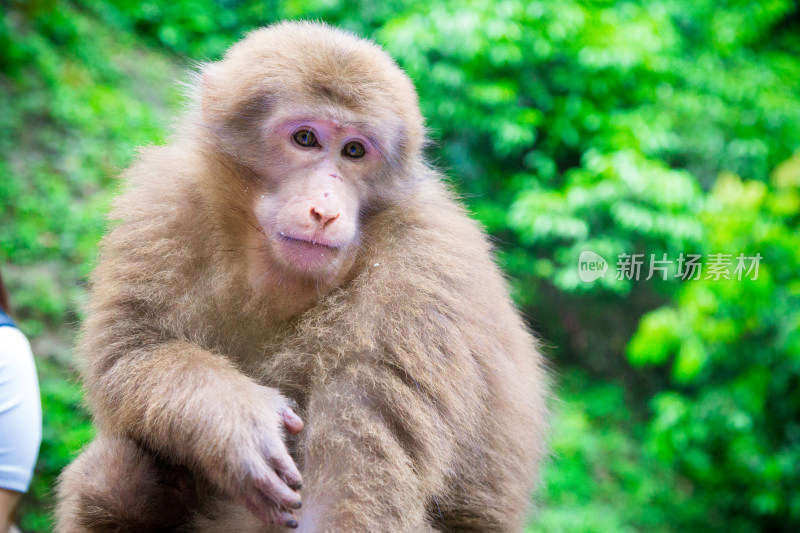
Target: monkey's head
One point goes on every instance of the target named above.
(323, 129)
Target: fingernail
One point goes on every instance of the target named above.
(296, 485)
(296, 505)
(291, 523)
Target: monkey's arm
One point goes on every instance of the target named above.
(373, 454)
(194, 407)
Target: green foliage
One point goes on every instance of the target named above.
(735, 406)
(654, 127)
(601, 478)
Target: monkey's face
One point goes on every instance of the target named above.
(316, 174)
(327, 133)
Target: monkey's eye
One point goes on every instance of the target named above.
(354, 150)
(306, 138)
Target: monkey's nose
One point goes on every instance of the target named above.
(323, 217)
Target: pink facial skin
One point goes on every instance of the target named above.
(310, 215)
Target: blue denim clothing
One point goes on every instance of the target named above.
(5, 320)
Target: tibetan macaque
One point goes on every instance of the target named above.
(294, 324)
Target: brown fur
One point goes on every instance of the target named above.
(422, 391)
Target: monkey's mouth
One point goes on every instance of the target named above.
(306, 255)
(307, 242)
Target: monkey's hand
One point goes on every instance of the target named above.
(197, 407)
(257, 470)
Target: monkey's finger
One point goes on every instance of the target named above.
(288, 520)
(265, 509)
(274, 488)
(287, 470)
(292, 422)
(278, 458)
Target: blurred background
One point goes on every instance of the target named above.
(653, 127)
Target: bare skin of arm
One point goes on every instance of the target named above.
(8, 508)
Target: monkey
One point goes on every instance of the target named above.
(294, 323)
